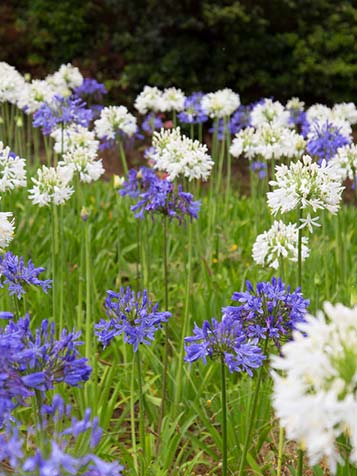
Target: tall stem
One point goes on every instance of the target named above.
(224, 417)
(252, 414)
(299, 250)
(88, 330)
(141, 408)
(300, 462)
(280, 451)
(123, 157)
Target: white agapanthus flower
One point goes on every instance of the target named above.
(318, 112)
(244, 142)
(315, 384)
(221, 103)
(279, 242)
(177, 155)
(271, 112)
(12, 170)
(11, 83)
(343, 115)
(113, 121)
(173, 99)
(294, 104)
(275, 142)
(34, 94)
(149, 100)
(51, 186)
(315, 127)
(346, 111)
(88, 168)
(67, 78)
(345, 162)
(7, 229)
(305, 185)
(75, 137)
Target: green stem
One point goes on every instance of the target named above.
(224, 417)
(54, 261)
(300, 250)
(123, 157)
(88, 330)
(132, 421)
(300, 462)
(280, 451)
(252, 415)
(141, 408)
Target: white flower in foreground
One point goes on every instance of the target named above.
(173, 99)
(67, 78)
(75, 137)
(34, 94)
(88, 167)
(7, 229)
(150, 99)
(304, 184)
(271, 112)
(345, 162)
(244, 143)
(315, 391)
(279, 242)
(178, 155)
(52, 185)
(11, 83)
(221, 103)
(12, 170)
(113, 121)
(275, 142)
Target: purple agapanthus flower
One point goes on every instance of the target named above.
(324, 140)
(162, 197)
(152, 123)
(193, 112)
(224, 340)
(91, 88)
(269, 311)
(16, 275)
(260, 168)
(132, 315)
(62, 111)
(238, 121)
(137, 181)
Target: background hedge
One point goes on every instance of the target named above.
(259, 48)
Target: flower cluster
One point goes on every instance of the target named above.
(52, 185)
(115, 121)
(12, 170)
(305, 185)
(11, 83)
(15, 274)
(66, 79)
(137, 181)
(34, 94)
(315, 396)
(131, 315)
(173, 99)
(279, 242)
(221, 103)
(58, 452)
(152, 99)
(192, 111)
(269, 112)
(345, 162)
(269, 311)
(178, 155)
(151, 123)
(296, 110)
(7, 229)
(225, 340)
(324, 139)
(61, 111)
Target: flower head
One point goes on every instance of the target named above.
(173, 99)
(115, 121)
(324, 139)
(149, 100)
(131, 315)
(345, 162)
(11, 83)
(269, 112)
(192, 111)
(137, 181)
(221, 103)
(7, 229)
(52, 185)
(12, 170)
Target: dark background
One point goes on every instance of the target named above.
(278, 48)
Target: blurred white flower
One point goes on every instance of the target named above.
(345, 162)
(11, 83)
(173, 99)
(150, 99)
(270, 112)
(52, 185)
(113, 121)
(221, 103)
(12, 170)
(7, 229)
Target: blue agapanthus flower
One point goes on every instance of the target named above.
(268, 311)
(137, 181)
(132, 315)
(162, 197)
(193, 112)
(260, 168)
(90, 88)
(152, 123)
(17, 276)
(62, 111)
(324, 140)
(227, 340)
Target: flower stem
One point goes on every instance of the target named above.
(300, 462)
(252, 415)
(300, 250)
(132, 421)
(141, 409)
(88, 330)
(280, 451)
(224, 417)
(123, 157)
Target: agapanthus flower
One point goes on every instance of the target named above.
(90, 89)
(345, 111)
(296, 109)
(11, 83)
(52, 185)
(173, 99)
(17, 276)
(151, 123)
(66, 446)
(268, 311)
(137, 181)
(324, 139)
(238, 121)
(12, 170)
(345, 162)
(132, 315)
(245, 143)
(221, 103)
(61, 111)
(34, 94)
(192, 111)
(163, 198)
(315, 391)
(177, 155)
(260, 168)
(115, 121)
(279, 242)
(88, 168)
(227, 341)
(66, 79)
(275, 142)
(305, 185)
(269, 112)
(149, 100)
(7, 229)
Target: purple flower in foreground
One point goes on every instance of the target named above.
(269, 311)
(62, 111)
(132, 315)
(224, 340)
(16, 275)
(324, 139)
